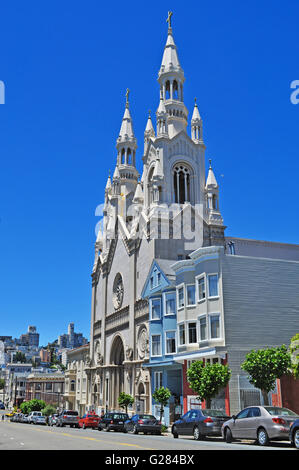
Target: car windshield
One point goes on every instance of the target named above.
(119, 416)
(146, 417)
(274, 410)
(72, 413)
(92, 416)
(213, 413)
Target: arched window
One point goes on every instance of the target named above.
(123, 156)
(215, 202)
(175, 90)
(167, 90)
(129, 157)
(181, 183)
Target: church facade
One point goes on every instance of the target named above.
(164, 214)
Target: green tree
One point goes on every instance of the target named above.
(36, 405)
(25, 407)
(207, 380)
(125, 400)
(19, 357)
(294, 351)
(2, 384)
(161, 395)
(264, 366)
(48, 410)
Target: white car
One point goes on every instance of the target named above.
(33, 415)
(40, 420)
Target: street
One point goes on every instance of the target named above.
(20, 436)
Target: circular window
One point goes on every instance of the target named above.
(118, 291)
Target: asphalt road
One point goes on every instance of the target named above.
(21, 436)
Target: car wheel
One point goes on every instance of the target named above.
(262, 437)
(296, 438)
(135, 431)
(175, 432)
(196, 433)
(228, 436)
(125, 430)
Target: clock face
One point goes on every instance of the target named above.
(118, 291)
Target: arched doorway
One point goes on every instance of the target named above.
(117, 358)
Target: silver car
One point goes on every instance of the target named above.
(261, 423)
(40, 420)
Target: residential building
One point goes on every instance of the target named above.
(236, 306)
(46, 386)
(71, 340)
(76, 382)
(160, 291)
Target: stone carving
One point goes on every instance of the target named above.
(129, 354)
(88, 360)
(118, 291)
(142, 343)
(97, 353)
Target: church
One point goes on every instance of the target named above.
(169, 217)
(143, 219)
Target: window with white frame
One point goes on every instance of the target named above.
(158, 379)
(155, 305)
(156, 345)
(215, 326)
(181, 297)
(192, 334)
(191, 294)
(201, 288)
(170, 339)
(213, 285)
(182, 335)
(169, 303)
(202, 328)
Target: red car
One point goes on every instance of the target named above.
(89, 420)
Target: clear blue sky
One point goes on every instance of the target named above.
(66, 66)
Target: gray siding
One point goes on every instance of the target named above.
(261, 308)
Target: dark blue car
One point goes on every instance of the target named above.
(147, 424)
(199, 423)
(294, 433)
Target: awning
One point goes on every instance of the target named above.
(195, 355)
(159, 364)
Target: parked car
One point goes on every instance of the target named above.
(25, 418)
(261, 423)
(68, 418)
(40, 420)
(199, 423)
(147, 424)
(113, 422)
(52, 420)
(33, 415)
(15, 418)
(2, 406)
(89, 420)
(294, 433)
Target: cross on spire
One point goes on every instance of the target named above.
(169, 19)
(127, 96)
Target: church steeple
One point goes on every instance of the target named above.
(126, 175)
(126, 142)
(196, 125)
(171, 79)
